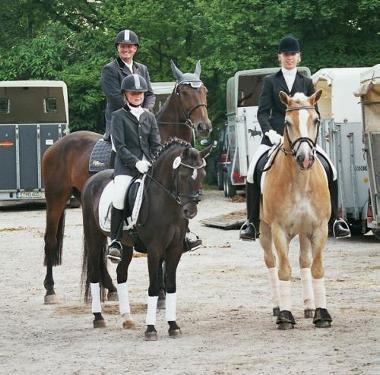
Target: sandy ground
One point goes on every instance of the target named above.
(224, 309)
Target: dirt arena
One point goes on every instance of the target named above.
(223, 308)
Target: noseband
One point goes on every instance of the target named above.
(312, 143)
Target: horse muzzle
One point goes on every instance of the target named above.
(305, 161)
(190, 210)
(203, 129)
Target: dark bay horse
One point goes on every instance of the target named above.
(296, 200)
(171, 194)
(65, 163)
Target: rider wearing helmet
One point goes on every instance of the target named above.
(135, 139)
(126, 43)
(271, 116)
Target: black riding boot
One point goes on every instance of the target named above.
(114, 249)
(339, 227)
(250, 229)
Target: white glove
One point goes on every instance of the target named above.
(274, 137)
(142, 166)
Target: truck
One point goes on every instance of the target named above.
(369, 93)
(33, 115)
(243, 132)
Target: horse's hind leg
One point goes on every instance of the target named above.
(55, 224)
(305, 263)
(270, 262)
(122, 287)
(162, 291)
(322, 318)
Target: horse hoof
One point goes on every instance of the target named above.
(285, 325)
(50, 299)
(151, 336)
(174, 333)
(308, 313)
(322, 318)
(112, 296)
(99, 323)
(276, 311)
(129, 324)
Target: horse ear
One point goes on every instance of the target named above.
(284, 97)
(198, 69)
(206, 151)
(315, 97)
(176, 72)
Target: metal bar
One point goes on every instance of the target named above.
(350, 137)
(18, 178)
(39, 180)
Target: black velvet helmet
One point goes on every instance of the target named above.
(134, 83)
(288, 45)
(127, 37)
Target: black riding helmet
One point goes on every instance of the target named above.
(127, 37)
(289, 45)
(134, 83)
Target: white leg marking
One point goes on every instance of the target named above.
(95, 295)
(151, 311)
(122, 292)
(285, 295)
(273, 281)
(319, 292)
(307, 289)
(170, 307)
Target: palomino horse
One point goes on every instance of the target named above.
(296, 200)
(171, 194)
(65, 164)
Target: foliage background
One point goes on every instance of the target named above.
(71, 40)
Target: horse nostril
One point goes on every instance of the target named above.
(300, 158)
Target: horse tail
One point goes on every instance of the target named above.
(55, 257)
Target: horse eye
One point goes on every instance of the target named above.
(317, 121)
(288, 123)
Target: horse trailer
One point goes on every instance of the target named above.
(369, 93)
(243, 130)
(340, 136)
(33, 115)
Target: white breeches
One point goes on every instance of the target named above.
(264, 148)
(120, 186)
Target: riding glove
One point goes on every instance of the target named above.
(274, 137)
(142, 166)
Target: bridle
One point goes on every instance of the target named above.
(176, 194)
(188, 122)
(312, 143)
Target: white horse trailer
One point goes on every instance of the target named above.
(341, 136)
(161, 90)
(33, 115)
(370, 102)
(243, 130)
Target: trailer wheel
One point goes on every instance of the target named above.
(229, 189)
(376, 233)
(219, 179)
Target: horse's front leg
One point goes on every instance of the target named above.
(322, 318)
(305, 263)
(122, 287)
(285, 319)
(173, 257)
(270, 262)
(153, 291)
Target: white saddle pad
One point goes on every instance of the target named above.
(105, 204)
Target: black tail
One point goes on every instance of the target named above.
(55, 257)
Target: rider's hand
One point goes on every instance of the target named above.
(142, 166)
(274, 137)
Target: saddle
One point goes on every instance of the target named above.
(133, 202)
(102, 156)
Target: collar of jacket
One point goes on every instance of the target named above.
(283, 84)
(130, 115)
(124, 67)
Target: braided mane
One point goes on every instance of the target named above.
(170, 143)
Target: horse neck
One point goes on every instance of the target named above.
(171, 120)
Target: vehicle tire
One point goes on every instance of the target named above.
(376, 233)
(219, 179)
(229, 189)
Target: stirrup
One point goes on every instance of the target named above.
(114, 251)
(248, 227)
(190, 244)
(345, 231)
